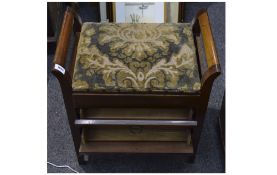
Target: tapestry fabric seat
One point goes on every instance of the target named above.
(139, 57)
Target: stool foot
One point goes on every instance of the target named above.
(83, 159)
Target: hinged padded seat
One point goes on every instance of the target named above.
(136, 58)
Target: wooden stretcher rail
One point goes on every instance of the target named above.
(91, 122)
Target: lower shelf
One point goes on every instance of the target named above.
(136, 147)
(136, 138)
(135, 133)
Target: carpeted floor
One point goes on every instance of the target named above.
(210, 158)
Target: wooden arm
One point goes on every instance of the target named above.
(211, 56)
(63, 42)
(208, 40)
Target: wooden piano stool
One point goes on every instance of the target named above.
(136, 88)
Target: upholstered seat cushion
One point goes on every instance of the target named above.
(114, 57)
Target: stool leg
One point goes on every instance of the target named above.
(83, 159)
(196, 131)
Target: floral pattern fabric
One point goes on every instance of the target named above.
(139, 57)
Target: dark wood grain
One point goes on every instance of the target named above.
(88, 100)
(110, 11)
(136, 133)
(136, 147)
(181, 13)
(201, 26)
(63, 42)
(138, 113)
(208, 40)
(65, 80)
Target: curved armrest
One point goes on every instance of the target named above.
(63, 42)
(208, 42)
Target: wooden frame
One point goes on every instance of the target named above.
(181, 14)
(74, 101)
(111, 15)
(110, 9)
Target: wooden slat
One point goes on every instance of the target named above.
(136, 147)
(138, 113)
(88, 100)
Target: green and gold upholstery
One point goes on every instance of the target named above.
(113, 57)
